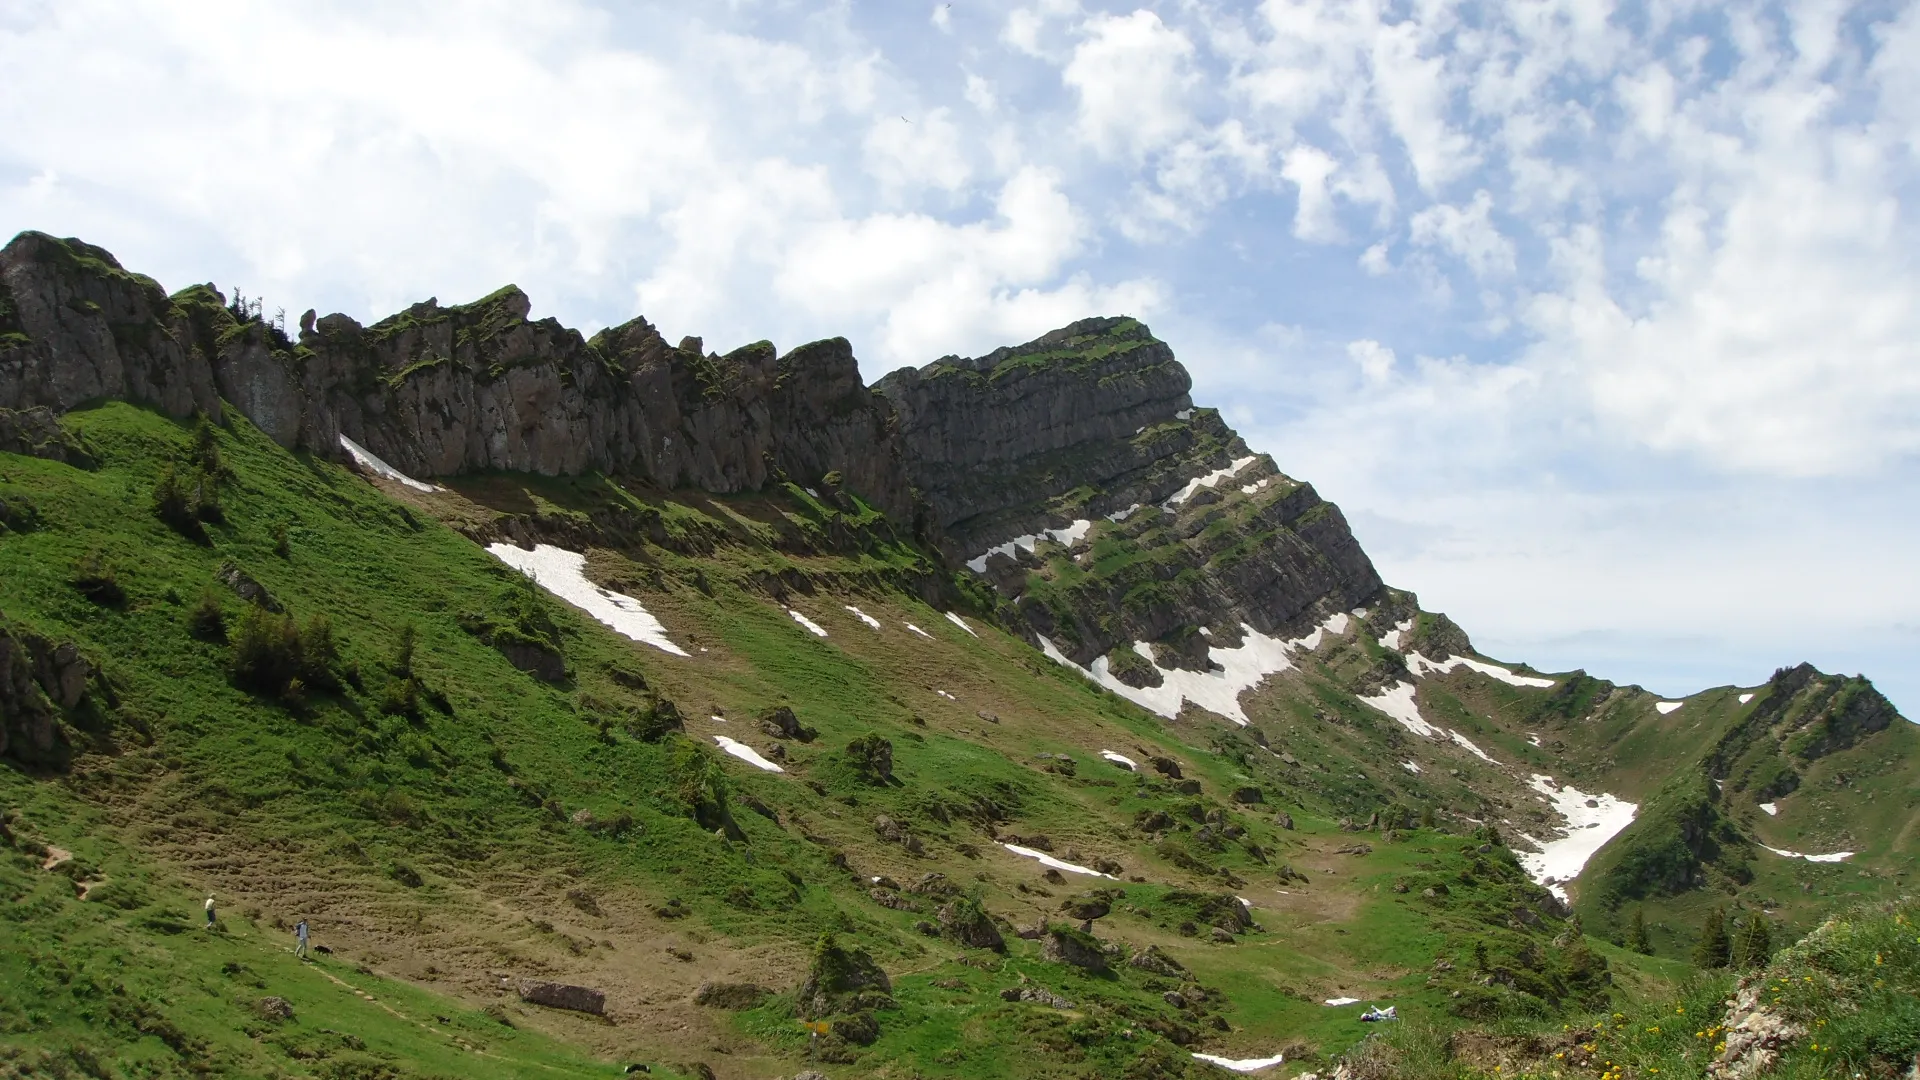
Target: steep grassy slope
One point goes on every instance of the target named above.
(446, 819)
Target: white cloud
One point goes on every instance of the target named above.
(1308, 169)
(1467, 233)
(1374, 360)
(1132, 74)
(942, 18)
(908, 153)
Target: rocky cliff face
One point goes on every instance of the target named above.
(1087, 430)
(1075, 472)
(444, 390)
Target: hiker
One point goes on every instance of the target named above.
(209, 911)
(300, 939)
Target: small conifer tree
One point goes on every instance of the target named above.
(1714, 948)
(1637, 934)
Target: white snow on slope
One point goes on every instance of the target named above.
(919, 631)
(1391, 639)
(374, 465)
(813, 628)
(1069, 536)
(1420, 665)
(1209, 480)
(863, 616)
(1183, 414)
(1397, 701)
(746, 753)
(1058, 864)
(1772, 809)
(1665, 707)
(1744, 698)
(960, 622)
(1120, 759)
(1343, 1001)
(1217, 689)
(1838, 856)
(1240, 1065)
(1122, 515)
(1410, 767)
(1588, 828)
(1470, 748)
(561, 572)
(1256, 487)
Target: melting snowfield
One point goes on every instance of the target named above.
(1467, 743)
(961, 623)
(1744, 698)
(813, 628)
(1236, 671)
(1242, 1065)
(1121, 760)
(1211, 479)
(746, 753)
(1058, 864)
(1587, 829)
(1397, 701)
(374, 465)
(1666, 707)
(1069, 536)
(863, 616)
(1343, 1001)
(561, 572)
(1772, 809)
(919, 631)
(1838, 856)
(1420, 665)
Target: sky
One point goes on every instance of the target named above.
(1601, 321)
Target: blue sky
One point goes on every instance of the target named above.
(1602, 321)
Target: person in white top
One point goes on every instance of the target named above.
(300, 939)
(209, 911)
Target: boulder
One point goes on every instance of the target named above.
(1065, 945)
(841, 979)
(1152, 959)
(964, 922)
(555, 995)
(1248, 795)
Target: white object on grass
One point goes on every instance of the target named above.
(1058, 864)
(1343, 1001)
(746, 753)
(368, 461)
(960, 622)
(863, 616)
(1838, 856)
(813, 628)
(561, 572)
(1772, 809)
(946, 695)
(919, 631)
(1665, 707)
(1240, 1065)
(1120, 759)
(1472, 749)
(1397, 701)
(1588, 828)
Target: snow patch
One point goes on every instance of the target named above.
(1838, 856)
(1391, 639)
(1209, 480)
(1343, 1001)
(960, 622)
(1120, 759)
(811, 492)
(1470, 748)
(1241, 1065)
(1744, 698)
(1218, 689)
(919, 631)
(813, 628)
(366, 460)
(1533, 739)
(561, 572)
(1772, 809)
(1122, 515)
(1058, 864)
(746, 753)
(946, 695)
(1397, 701)
(1410, 767)
(863, 616)
(1183, 414)
(1069, 536)
(1588, 828)
(1666, 707)
(1420, 665)
(1255, 487)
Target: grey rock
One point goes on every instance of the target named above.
(555, 995)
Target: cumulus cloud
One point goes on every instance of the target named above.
(1132, 76)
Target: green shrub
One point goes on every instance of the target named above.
(95, 578)
(208, 619)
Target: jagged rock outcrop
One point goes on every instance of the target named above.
(40, 682)
(439, 391)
